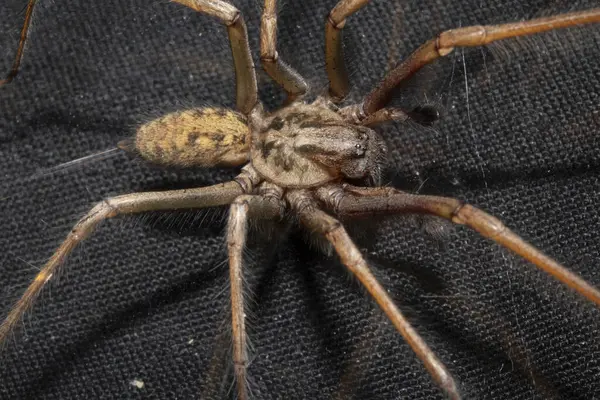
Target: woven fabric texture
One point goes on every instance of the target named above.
(140, 310)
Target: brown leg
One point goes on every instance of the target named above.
(385, 115)
(317, 220)
(247, 92)
(424, 115)
(291, 81)
(14, 70)
(467, 37)
(366, 201)
(334, 57)
(210, 196)
(240, 210)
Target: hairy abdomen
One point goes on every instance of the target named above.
(196, 137)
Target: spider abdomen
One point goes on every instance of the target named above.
(196, 137)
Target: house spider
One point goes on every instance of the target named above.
(278, 146)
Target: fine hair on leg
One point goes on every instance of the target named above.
(470, 36)
(210, 196)
(320, 222)
(231, 17)
(358, 201)
(287, 77)
(339, 82)
(240, 210)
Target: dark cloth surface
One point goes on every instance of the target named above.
(145, 299)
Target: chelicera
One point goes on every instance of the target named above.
(312, 162)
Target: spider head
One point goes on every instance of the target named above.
(352, 152)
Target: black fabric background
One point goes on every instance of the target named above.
(146, 298)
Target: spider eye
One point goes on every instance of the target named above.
(276, 124)
(360, 149)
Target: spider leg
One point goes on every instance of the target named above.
(470, 36)
(247, 92)
(210, 196)
(291, 81)
(367, 201)
(334, 58)
(242, 208)
(14, 70)
(317, 220)
(385, 115)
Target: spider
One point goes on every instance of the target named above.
(307, 160)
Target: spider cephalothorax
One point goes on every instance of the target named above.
(308, 145)
(306, 160)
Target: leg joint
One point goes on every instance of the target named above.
(336, 25)
(248, 179)
(331, 227)
(331, 196)
(243, 200)
(487, 225)
(269, 58)
(235, 18)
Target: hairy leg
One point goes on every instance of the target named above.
(317, 220)
(291, 81)
(210, 196)
(14, 69)
(383, 200)
(247, 92)
(470, 36)
(334, 58)
(242, 208)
